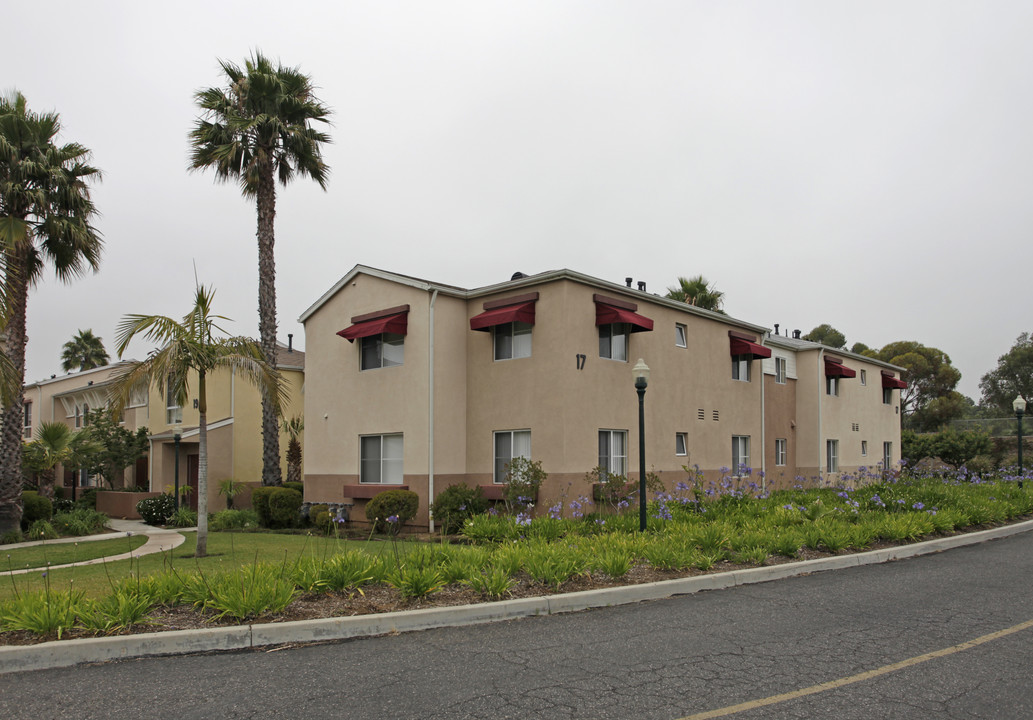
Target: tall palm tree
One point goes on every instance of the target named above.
(255, 131)
(189, 349)
(698, 292)
(84, 351)
(45, 216)
(293, 427)
(57, 444)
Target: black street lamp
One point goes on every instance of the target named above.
(177, 433)
(641, 374)
(1019, 405)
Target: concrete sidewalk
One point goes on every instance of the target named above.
(158, 540)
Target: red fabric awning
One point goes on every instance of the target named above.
(888, 381)
(521, 312)
(835, 369)
(396, 324)
(608, 314)
(739, 346)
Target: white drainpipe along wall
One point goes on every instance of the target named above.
(430, 414)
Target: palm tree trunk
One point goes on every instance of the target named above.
(202, 468)
(11, 421)
(266, 202)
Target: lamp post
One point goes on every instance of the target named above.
(177, 434)
(641, 374)
(1019, 405)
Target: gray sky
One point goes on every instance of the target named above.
(865, 164)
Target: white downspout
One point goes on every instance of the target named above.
(821, 392)
(763, 432)
(430, 415)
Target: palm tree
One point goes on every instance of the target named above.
(187, 349)
(294, 428)
(84, 351)
(698, 292)
(45, 216)
(257, 130)
(57, 444)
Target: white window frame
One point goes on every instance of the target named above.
(519, 445)
(864, 448)
(681, 444)
(740, 453)
(389, 466)
(832, 456)
(864, 377)
(681, 335)
(611, 459)
(27, 421)
(607, 333)
(519, 336)
(173, 410)
(887, 456)
(832, 385)
(741, 365)
(781, 451)
(887, 396)
(781, 370)
(386, 350)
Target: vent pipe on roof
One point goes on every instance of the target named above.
(776, 328)
(629, 281)
(290, 342)
(517, 275)
(796, 334)
(642, 285)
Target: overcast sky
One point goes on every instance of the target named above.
(865, 164)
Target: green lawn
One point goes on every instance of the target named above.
(226, 551)
(60, 553)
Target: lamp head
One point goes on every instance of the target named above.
(1019, 405)
(641, 373)
(177, 430)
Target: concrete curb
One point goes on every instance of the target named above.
(64, 653)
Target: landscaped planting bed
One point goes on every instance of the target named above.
(691, 530)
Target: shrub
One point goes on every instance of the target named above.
(87, 498)
(398, 504)
(300, 487)
(230, 488)
(260, 503)
(42, 529)
(284, 507)
(455, 505)
(11, 536)
(233, 520)
(156, 510)
(523, 479)
(183, 518)
(35, 507)
(62, 505)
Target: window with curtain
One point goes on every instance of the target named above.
(381, 459)
(510, 444)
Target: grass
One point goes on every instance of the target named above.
(59, 553)
(226, 551)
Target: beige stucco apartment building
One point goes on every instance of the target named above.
(422, 385)
(234, 423)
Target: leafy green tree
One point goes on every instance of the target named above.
(84, 351)
(45, 217)
(1013, 376)
(859, 348)
(117, 447)
(257, 130)
(191, 348)
(951, 446)
(930, 377)
(827, 336)
(56, 444)
(698, 292)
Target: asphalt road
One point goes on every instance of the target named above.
(881, 641)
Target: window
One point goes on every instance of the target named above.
(887, 396)
(832, 456)
(512, 340)
(85, 414)
(510, 444)
(831, 385)
(887, 456)
(613, 341)
(681, 444)
(741, 367)
(78, 417)
(613, 451)
(381, 459)
(173, 410)
(781, 452)
(680, 335)
(740, 454)
(27, 421)
(864, 448)
(780, 370)
(384, 350)
(864, 377)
